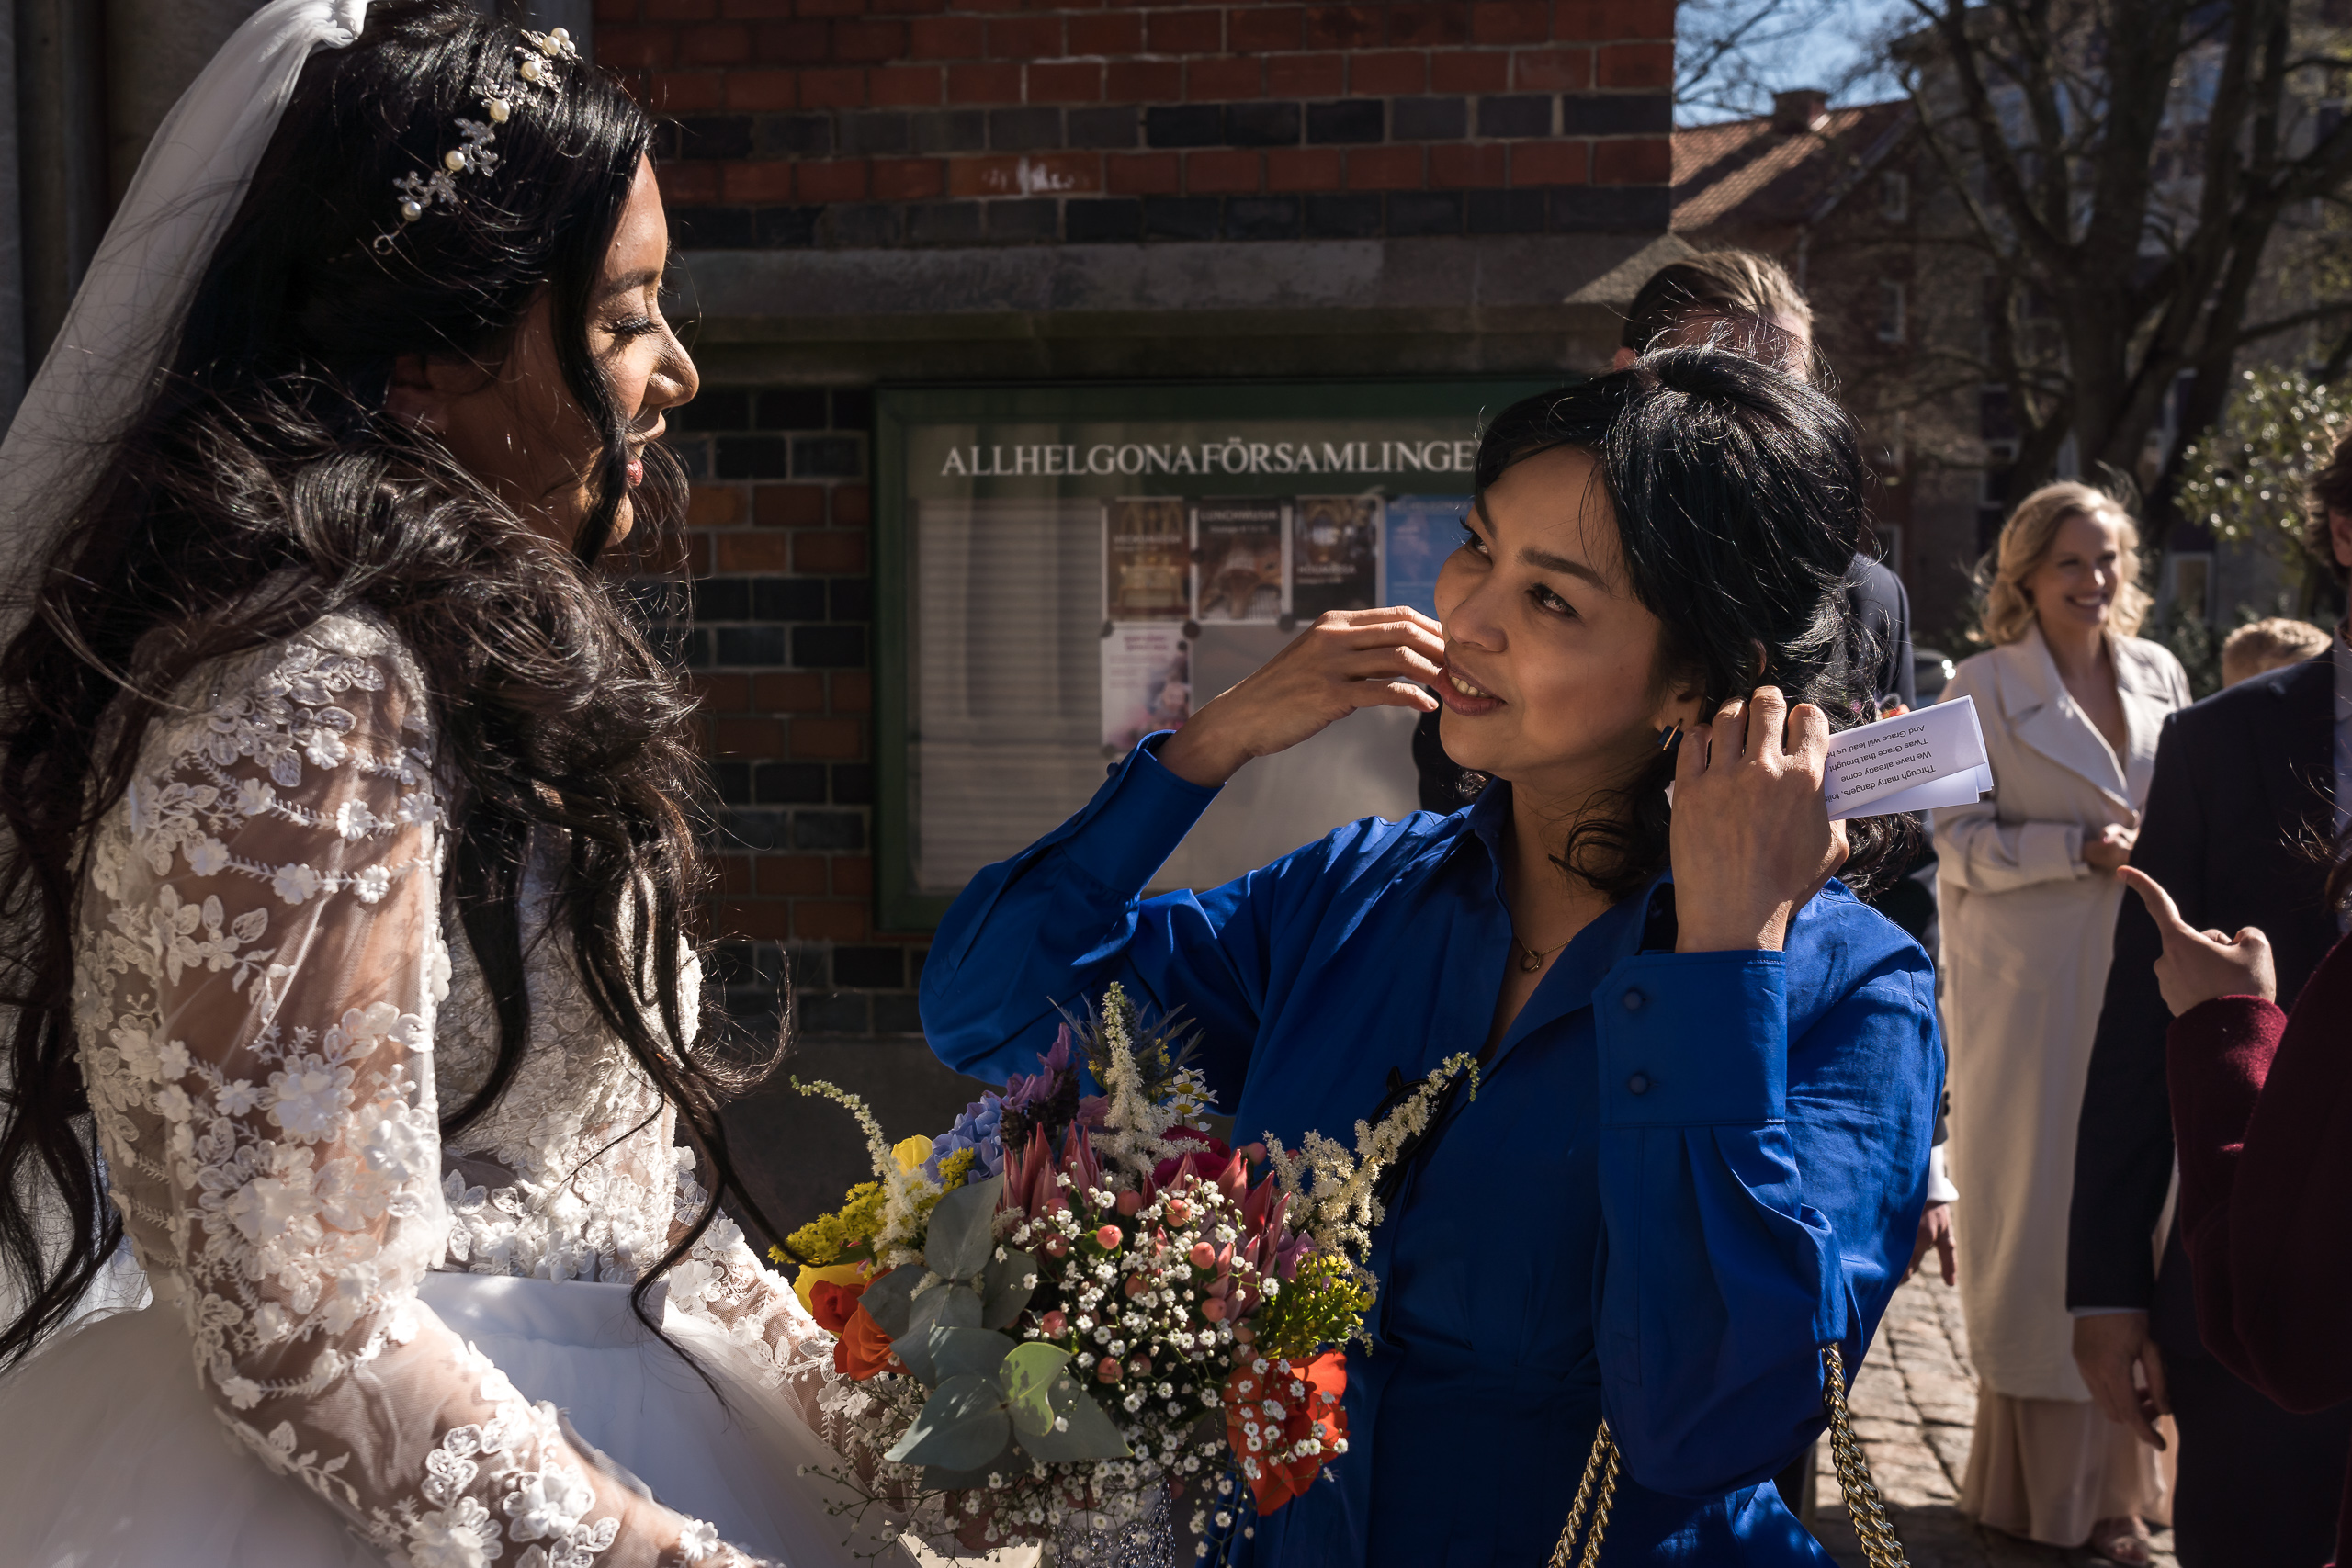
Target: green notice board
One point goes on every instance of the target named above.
(1060, 569)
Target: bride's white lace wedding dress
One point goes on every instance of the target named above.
(413, 1353)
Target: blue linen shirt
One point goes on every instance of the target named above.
(1682, 1174)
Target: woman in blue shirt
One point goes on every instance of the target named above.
(1699, 1150)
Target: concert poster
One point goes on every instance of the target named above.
(1147, 682)
(1335, 554)
(1238, 560)
(1146, 561)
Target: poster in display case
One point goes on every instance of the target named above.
(1062, 570)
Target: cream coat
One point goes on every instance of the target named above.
(2027, 931)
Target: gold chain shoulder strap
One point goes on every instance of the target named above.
(1864, 1504)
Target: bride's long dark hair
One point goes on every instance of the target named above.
(264, 486)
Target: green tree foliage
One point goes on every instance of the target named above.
(2245, 483)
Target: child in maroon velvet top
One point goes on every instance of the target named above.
(2262, 1115)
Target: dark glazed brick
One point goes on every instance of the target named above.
(862, 226)
(688, 650)
(870, 968)
(1429, 119)
(791, 135)
(1188, 125)
(753, 457)
(713, 228)
(827, 456)
(1616, 114)
(1024, 130)
(1115, 222)
(881, 132)
(1115, 126)
(716, 407)
(1179, 217)
(694, 458)
(950, 130)
(1354, 216)
(749, 645)
(1415, 212)
(733, 782)
(853, 598)
(786, 227)
(1261, 125)
(723, 599)
(1261, 217)
(828, 648)
(1609, 208)
(1528, 114)
(852, 784)
(1023, 222)
(792, 407)
(852, 408)
(1345, 119)
(787, 598)
(789, 784)
(816, 1012)
(943, 224)
(1505, 211)
(718, 136)
(898, 1014)
(753, 830)
(828, 830)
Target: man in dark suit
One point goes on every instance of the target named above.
(2239, 817)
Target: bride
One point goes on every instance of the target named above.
(349, 861)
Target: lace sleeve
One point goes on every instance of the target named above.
(721, 1281)
(262, 963)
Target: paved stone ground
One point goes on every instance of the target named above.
(1913, 1405)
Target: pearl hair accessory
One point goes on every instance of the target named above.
(533, 69)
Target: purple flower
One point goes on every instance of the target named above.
(979, 1128)
(1026, 1094)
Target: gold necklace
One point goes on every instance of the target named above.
(1534, 960)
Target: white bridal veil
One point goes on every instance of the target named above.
(125, 320)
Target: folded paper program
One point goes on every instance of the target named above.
(1930, 757)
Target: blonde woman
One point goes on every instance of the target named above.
(2070, 704)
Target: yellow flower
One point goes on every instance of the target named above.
(957, 1168)
(911, 1153)
(823, 1239)
(839, 1274)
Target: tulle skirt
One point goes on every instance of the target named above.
(110, 1455)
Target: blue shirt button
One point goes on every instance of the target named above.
(1634, 1000)
(1638, 1084)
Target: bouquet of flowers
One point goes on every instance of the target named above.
(1068, 1307)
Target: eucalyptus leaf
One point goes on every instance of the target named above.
(1026, 1376)
(887, 1301)
(962, 1424)
(1084, 1432)
(954, 1352)
(942, 1306)
(1006, 1287)
(962, 1230)
(959, 1307)
(1008, 1461)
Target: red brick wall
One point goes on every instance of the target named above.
(889, 122)
(899, 123)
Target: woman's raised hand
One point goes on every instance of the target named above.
(1347, 660)
(2196, 967)
(1752, 838)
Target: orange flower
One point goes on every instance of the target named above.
(831, 1302)
(863, 1350)
(1309, 1397)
